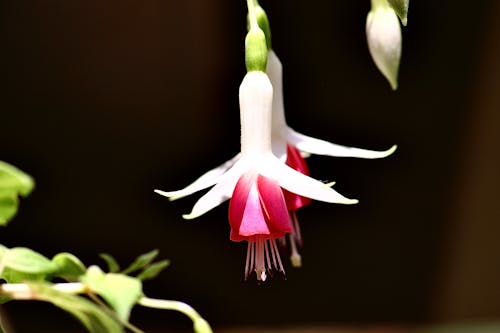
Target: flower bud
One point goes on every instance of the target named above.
(255, 50)
(384, 40)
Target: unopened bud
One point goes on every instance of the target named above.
(383, 33)
(255, 50)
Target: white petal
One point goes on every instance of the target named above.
(220, 192)
(311, 145)
(208, 179)
(299, 183)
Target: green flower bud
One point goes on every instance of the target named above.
(255, 50)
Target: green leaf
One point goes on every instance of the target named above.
(141, 262)
(401, 9)
(13, 182)
(8, 206)
(120, 291)
(153, 270)
(27, 261)
(93, 317)
(113, 266)
(69, 267)
(12, 276)
(4, 298)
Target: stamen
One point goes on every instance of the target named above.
(260, 268)
(249, 255)
(282, 242)
(252, 258)
(266, 250)
(295, 257)
(263, 258)
(277, 254)
(296, 228)
(273, 255)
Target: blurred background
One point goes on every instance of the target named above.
(104, 101)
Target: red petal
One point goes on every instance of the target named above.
(246, 217)
(273, 202)
(295, 160)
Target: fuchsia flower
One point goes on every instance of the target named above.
(254, 179)
(283, 135)
(291, 146)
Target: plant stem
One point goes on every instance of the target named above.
(379, 3)
(170, 305)
(252, 17)
(22, 291)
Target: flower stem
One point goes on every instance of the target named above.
(199, 323)
(379, 3)
(169, 305)
(252, 16)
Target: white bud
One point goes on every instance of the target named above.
(383, 33)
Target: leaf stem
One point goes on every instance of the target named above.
(176, 306)
(22, 291)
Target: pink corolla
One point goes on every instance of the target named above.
(258, 215)
(254, 178)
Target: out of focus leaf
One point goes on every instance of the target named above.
(120, 291)
(24, 260)
(93, 317)
(113, 266)
(13, 182)
(4, 299)
(12, 276)
(141, 262)
(69, 267)
(153, 270)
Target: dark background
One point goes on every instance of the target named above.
(104, 101)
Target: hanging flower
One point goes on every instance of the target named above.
(287, 145)
(282, 135)
(291, 146)
(256, 164)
